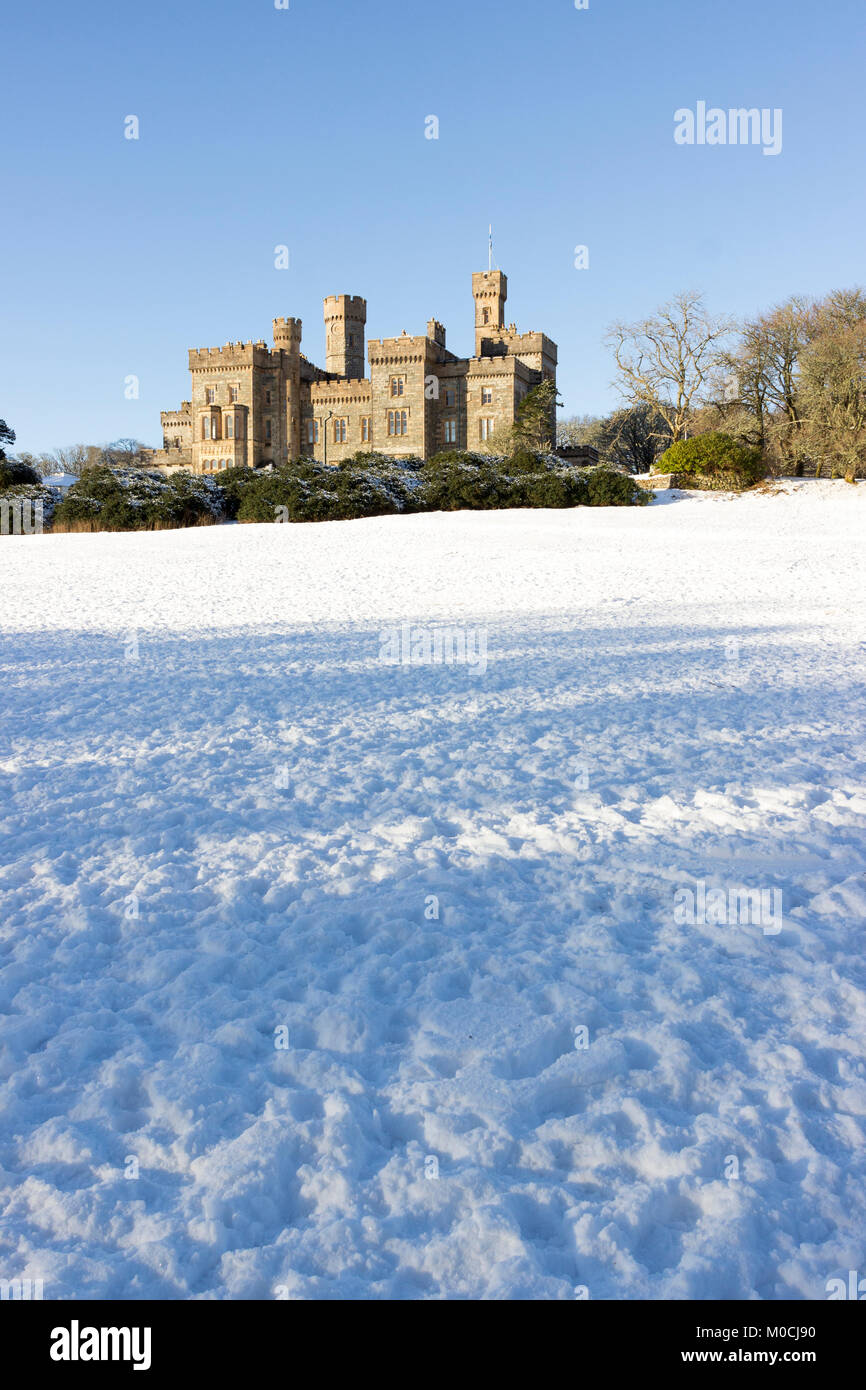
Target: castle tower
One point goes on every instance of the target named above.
(286, 418)
(490, 290)
(287, 334)
(345, 329)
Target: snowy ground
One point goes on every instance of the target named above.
(224, 817)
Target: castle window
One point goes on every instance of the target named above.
(485, 316)
(341, 430)
(487, 427)
(230, 427)
(450, 396)
(211, 395)
(487, 395)
(398, 385)
(268, 430)
(450, 431)
(233, 395)
(267, 398)
(365, 429)
(398, 422)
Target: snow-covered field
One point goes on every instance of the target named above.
(378, 975)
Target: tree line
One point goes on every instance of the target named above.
(75, 459)
(790, 382)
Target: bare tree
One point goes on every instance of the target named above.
(580, 429)
(123, 453)
(631, 438)
(667, 361)
(833, 397)
(773, 406)
(739, 400)
(72, 459)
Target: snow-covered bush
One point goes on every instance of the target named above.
(307, 490)
(118, 499)
(365, 485)
(456, 480)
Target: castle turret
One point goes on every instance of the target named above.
(286, 422)
(345, 328)
(287, 334)
(490, 290)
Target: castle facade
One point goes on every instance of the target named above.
(252, 405)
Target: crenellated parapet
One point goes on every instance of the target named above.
(230, 355)
(287, 334)
(344, 394)
(350, 306)
(399, 351)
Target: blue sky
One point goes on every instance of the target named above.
(306, 127)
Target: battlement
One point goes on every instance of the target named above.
(343, 389)
(351, 306)
(287, 333)
(418, 343)
(492, 344)
(490, 282)
(230, 355)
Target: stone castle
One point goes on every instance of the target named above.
(252, 405)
